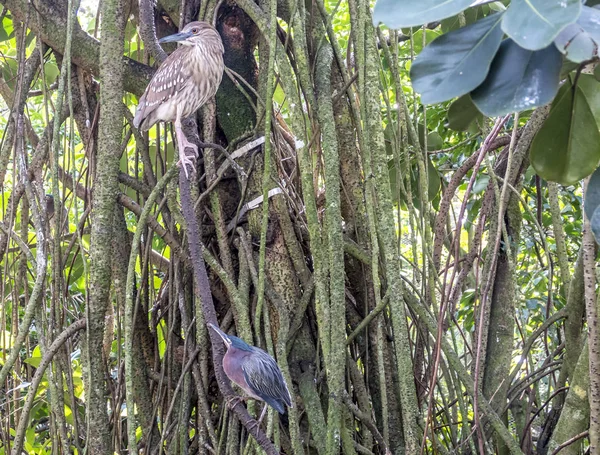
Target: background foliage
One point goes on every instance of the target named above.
(424, 275)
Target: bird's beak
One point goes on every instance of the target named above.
(176, 37)
(222, 334)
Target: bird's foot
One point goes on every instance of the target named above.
(232, 402)
(258, 423)
(185, 160)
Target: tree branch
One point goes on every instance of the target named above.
(50, 24)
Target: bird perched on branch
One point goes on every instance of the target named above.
(255, 371)
(186, 80)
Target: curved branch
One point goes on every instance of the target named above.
(37, 378)
(51, 27)
(210, 315)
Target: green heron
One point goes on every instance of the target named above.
(255, 371)
(185, 81)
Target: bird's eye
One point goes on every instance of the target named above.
(195, 31)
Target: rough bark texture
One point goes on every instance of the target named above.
(575, 415)
(592, 313)
(336, 273)
(104, 199)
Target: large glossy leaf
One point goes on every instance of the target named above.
(534, 24)
(592, 203)
(590, 22)
(456, 62)
(567, 147)
(410, 13)
(518, 80)
(592, 195)
(580, 41)
(591, 90)
(576, 44)
(462, 113)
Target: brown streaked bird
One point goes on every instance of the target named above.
(185, 81)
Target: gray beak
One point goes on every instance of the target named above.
(222, 334)
(176, 37)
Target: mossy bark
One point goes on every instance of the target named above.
(575, 416)
(104, 200)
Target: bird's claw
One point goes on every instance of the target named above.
(232, 402)
(184, 161)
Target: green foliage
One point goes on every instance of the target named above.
(463, 114)
(518, 80)
(461, 69)
(533, 24)
(567, 148)
(456, 62)
(410, 13)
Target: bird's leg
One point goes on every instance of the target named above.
(182, 144)
(262, 414)
(258, 422)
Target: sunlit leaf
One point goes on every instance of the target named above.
(36, 357)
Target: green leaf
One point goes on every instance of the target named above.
(591, 90)
(592, 203)
(36, 357)
(597, 72)
(410, 13)
(6, 29)
(579, 42)
(462, 113)
(533, 24)
(470, 15)
(575, 44)
(518, 80)
(434, 141)
(595, 223)
(456, 62)
(590, 22)
(433, 182)
(567, 147)
(51, 71)
(481, 184)
(430, 35)
(592, 195)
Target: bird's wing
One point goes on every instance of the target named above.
(264, 377)
(169, 79)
